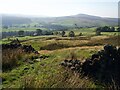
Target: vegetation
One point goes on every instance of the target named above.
(21, 33)
(98, 31)
(98, 66)
(71, 34)
(43, 70)
(39, 32)
(63, 33)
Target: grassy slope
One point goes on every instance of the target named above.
(48, 73)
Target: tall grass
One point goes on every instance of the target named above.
(10, 58)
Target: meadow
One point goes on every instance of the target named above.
(47, 72)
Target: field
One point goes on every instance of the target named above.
(47, 72)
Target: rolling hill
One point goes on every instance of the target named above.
(81, 20)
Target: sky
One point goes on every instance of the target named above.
(55, 8)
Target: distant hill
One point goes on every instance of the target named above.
(11, 20)
(81, 20)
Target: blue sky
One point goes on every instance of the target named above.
(103, 8)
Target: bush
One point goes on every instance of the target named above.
(63, 33)
(98, 31)
(80, 34)
(71, 34)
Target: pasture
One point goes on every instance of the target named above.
(47, 73)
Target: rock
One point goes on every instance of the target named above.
(63, 64)
(95, 56)
(72, 68)
(65, 60)
(44, 56)
(38, 59)
(101, 66)
(69, 65)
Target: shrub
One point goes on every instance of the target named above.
(71, 34)
(98, 31)
(63, 33)
(80, 34)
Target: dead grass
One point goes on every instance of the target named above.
(10, 58)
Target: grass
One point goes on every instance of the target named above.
(10, 58)
(47, 73)
(59, 43)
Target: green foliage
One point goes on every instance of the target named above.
(107, 29)
(80, 34)
(21, 33)
(63, 33)
(5, 27)
(55, 33)
(118, 29)
(112, 29)
(39, 31)
(98, 31)
(47, 72)
(71, 34)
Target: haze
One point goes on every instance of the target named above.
(55, 8)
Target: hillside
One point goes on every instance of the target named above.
(12, 20)
(81, 20)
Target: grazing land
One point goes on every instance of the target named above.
(43, 70)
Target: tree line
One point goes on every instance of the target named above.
(22, 33)
(38, 32)
(108, 29)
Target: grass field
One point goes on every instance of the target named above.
(47, 73)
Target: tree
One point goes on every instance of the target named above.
(118, 29)
(98, 31)
(21, 33)
(39, 31)
(55, 33)
(5, 27)
(105, 29)
(76, 26)
(63, 33)
(71, 34)
(80, 34)
(46, 32)
(112, 29)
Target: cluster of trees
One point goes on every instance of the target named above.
(38, 32)
(70, 34)
(17, 33)
(59, 33)
(26, 33)
(43, 32)
(108, 29)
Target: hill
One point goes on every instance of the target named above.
(81, 20)
(9, 20)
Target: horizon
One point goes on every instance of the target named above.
(59, 8)
(44, 16)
